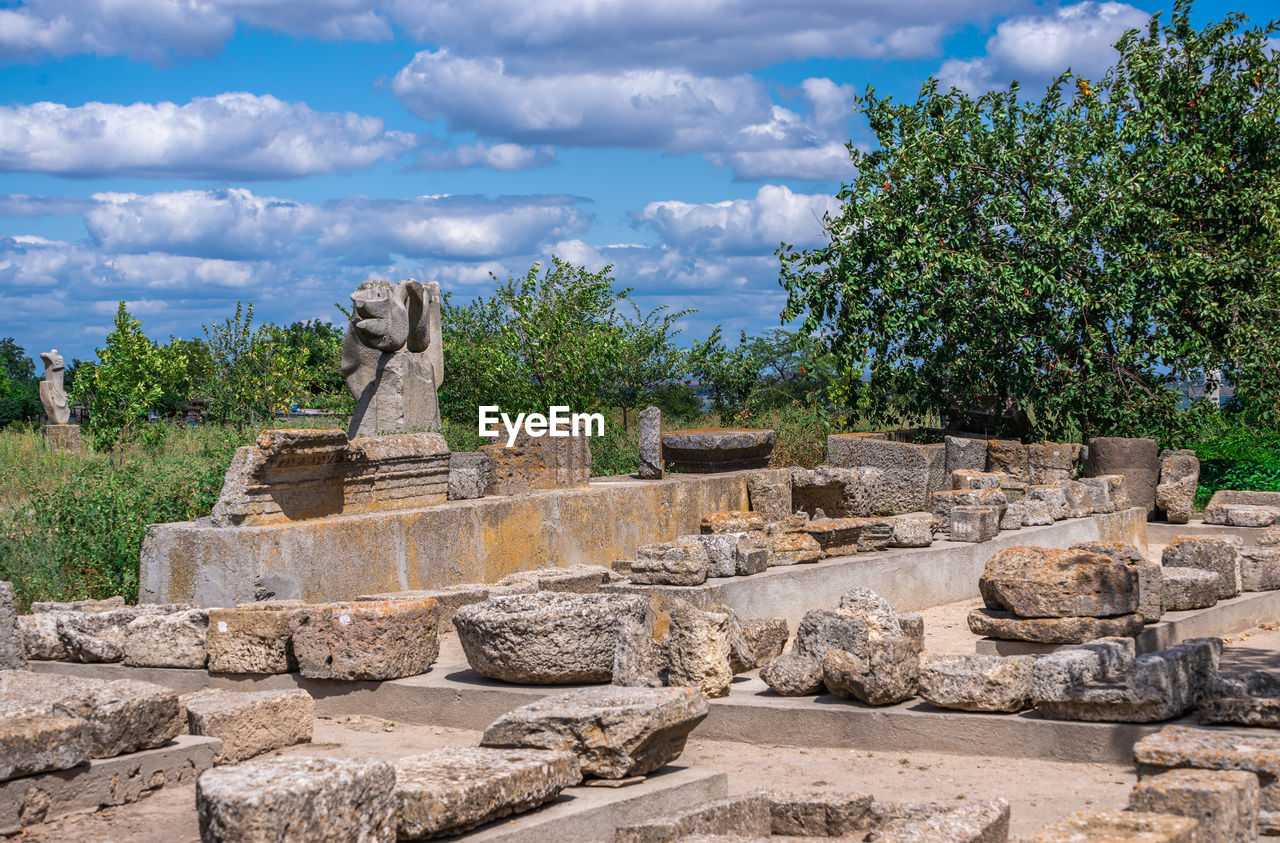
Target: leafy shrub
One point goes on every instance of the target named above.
(1238, 458)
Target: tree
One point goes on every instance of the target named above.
(130, 378)
(324, 385)
(19, 387)
(249, 373)
(1070, 259)
(648, 360)
(729, 373)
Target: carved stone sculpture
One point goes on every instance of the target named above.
(392, 358)
(52, 395)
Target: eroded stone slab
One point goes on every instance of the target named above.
(254, 638)
(974, 682)
(746, 816)
(680, 562)
(997, 624)
(250, 723)
(911, 472)
(1260, 568)
(1225, 802)
(940, 822)
(1220, 554)
(1119, 827)
(175, 640)
(1037, 582)
(365, 640)
(1183, 589)
(38, 742)
(732, 521)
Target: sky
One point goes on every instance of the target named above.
(183, 155)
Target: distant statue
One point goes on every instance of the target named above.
(52, 394)
(392, 358)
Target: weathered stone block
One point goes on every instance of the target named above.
(1036, 513)
(975, 523)
(747, 816)
(723, 551)
(384, 639)
(765, 638)
(732, 521)
(794, 674)
(12, 650)
(996, 624)
(769, 493)
(838, 492)
(538, 462)
(614, 732)
(944, 501)
(788, 548)
(96, 636)
(965, 479)
(1079, 498)
(1014, 514)
(976, 682)
(884, 674)
(650, 440)
(1106, 493)
(1176, 491)
(698, 650)
(1053, 675)
(1236, 508)
(1009, 456)
(680, 562)
(1269, 537)
(175, 640)
(250, 723)
(1138, 460)
(1037, 582)
(298, 798)
(1119, 827)
(914, 529)
(1260, 568)
(914, 822)
(1055, 497)
(39, 742)
(817, 813)
(1212, 553)
(104, 605)
(710, 450)
(1224, 801)
(468, 475)
(847, 536)
(911, 472)
(448, 600)
(1150, 603)
(254, 638)
(40, 637)
(1250, 699)
(965, 454)
(1049, 463)
(546, 638)
(1183, 589)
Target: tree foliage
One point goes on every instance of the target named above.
(249, 373)
(1072, 258)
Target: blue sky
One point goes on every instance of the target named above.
(181, 155)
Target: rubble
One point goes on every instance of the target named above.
(468, 475)
(40, 639)
(732, 521)
(250, 723)
(976, 682)
(1014, 516)
(765, 638)
(1036, 513)
(1079, 498)
(965, 479)
(847, 536)
(733, 554)
(1053, 497)
(1251, 699)
(943, 502)
(746, 816)
(1009, 456)
(965, 454)
(1051, 462)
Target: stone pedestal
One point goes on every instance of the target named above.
(64, 437)
(651, 444)
(717, 449)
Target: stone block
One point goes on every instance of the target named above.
(1150, 603)
(468, 475)
(638, 659)
(650, 441)
(818, 813)
(943, 502)
(1224, 801)
(680, 562)
(1055, 497)
(298, 798)
(532, 463)
(885, 673)
(175, 640)
(838, 492)
(548, 638)
(106, 604)
(793, 674)
(13, 654)
(769, 493)
(1106, 493)
(575, 579)
(975, 682)
(1036, 513)
(385, 639)
(1220, 554)
(94, 636)
(765, 638)
(1014, 514)
(722, 552)
(993, 623)
(698, 650)
(1037, 582)
(615, 733)
(1250, 699)
(1009, 456)
(847, 536)
(1269, 537)
(1138, 460)
(732, 521)
(1079, 498)
(39, 742)
(967, 479)
(788, 548)
(911, 472)
(965, 454)
(975, 523)
(1176, 491)
(1119, 827)
(986, 821)
(1049, 463)
(448, 600)
(914, 529)
(1183, 589)
(736, 817)
(1055, 674)
(250, 723)
(711, 450)
(254, 638)
(1260, 568)
(1235, 508)
(40, 637)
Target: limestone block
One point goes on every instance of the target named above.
(40, 637)
(914, 529)
(711, 450)
(976, 682)
(793, 674)
(1079, 498)
(1014, 514)
(910, 472)
(698, 650)
(1037, 582)
(385, 639)
(944, 501)
(548, 638)
(298, 798)
(935, 822)
(770, 493)
(94, 636)
(732, 521)
(1183, 589)
(1260, 568)
(1150, 604)
(1220, 554)
(650, 436)
(1049, 463)
(979, 479)
(468, 475)
(753, 558)
(965, 454)
(175, 640)
(250, 723)
(1176, 498)
(847, 536)
(680, 562)
(538, 462)
(1242, 515)
(1242, 703)
(765, 638)
(1119, 827)
(1055, 497)
(39, 742)
(1009, 456)
(576, 579)
(722, 552)
(105, 605)
(1224, 801)
(737, 817)
(996, 624)
(1014, 490)
(1053, 675)
(975, 523)
(614, 732)
(885, 673)
(12, 649)
(787, 548)
(1138, 460)
(818, 813)
(839, 492)
(254, 638)
(1036, 513)
(1106, 493)
(448, 599)
(1269, 537)
(1234, 497)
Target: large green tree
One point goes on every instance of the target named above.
(1070, 259)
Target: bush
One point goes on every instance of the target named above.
(1238, 458)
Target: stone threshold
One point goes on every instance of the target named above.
(103, 782)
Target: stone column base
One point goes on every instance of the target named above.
(64, 437)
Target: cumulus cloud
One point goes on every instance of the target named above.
(507, 157)
(742, 226)
(1035, 48)
(232, 135)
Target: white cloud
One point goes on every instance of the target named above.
(742, 226)
(232, 135)
(507, 157)
(829, 162)
(1035, 48)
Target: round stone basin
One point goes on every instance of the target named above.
(712, 449)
